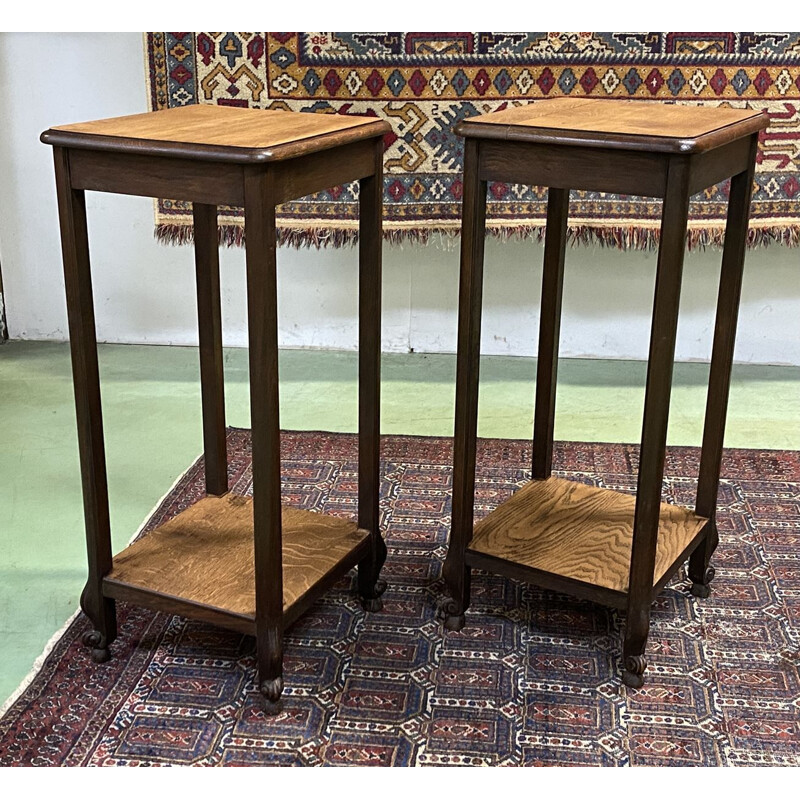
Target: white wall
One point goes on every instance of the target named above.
(144, 291)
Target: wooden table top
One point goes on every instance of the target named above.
(218, 133)
(619, 124)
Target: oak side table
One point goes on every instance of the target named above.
(241, 563)
(590, 542)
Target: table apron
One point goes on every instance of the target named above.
(592, 169)
(148, 598)
(546, 580)
(614, 171)
(154, 176)
(305, 175)
(216, 183)
(715, 166)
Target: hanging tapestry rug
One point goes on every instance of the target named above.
(424, 83)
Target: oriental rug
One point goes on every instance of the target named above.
(424, 83)
(532, 679)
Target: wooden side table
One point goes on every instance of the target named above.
(246, 564)
(589, 542)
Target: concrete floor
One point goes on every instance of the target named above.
(151, 406)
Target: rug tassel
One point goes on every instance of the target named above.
(619, 237)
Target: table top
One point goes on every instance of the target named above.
(618, 124)
(218, 133)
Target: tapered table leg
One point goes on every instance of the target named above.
(473, 228)
(730, 287)
(260, 235)
(209, 322)
(369, 371)
(555, 245)
(83, 346)
(656, 411)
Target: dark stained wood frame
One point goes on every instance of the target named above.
(210, 177)
(641, 165)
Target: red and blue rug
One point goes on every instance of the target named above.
(422, 84)
(531, 680)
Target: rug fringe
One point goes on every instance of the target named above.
(632, 237)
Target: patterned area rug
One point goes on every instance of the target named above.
(531, 679)
(424, 83)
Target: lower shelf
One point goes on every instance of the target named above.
(579, 532)
(205, 556)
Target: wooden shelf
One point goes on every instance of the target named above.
(580, 533)
(204, 556)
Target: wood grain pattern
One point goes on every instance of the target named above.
(206, 554)
(608, 547)
(664, 127)
(619, 116)
(218, 132)
(580, 532)
(248, 564)
(170, 604)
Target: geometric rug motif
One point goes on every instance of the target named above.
(422, 84)
(532, 679)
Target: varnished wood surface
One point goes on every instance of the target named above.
(579, 532)
(207, 182)
(608, 547)
(627, 124)
(317, 171)
(370, 240)
(170, 604)
(555, 245)
(209, 324)
(715, 166)
(730, 288)
(250, 565)
(658, 387)
(221, 133)
(262, 330)
(213, 182)
(470, 294)
(205, 554)
(719, 380)
(86, 382)
(592, 168)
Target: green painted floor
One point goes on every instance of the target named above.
(152, 418)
